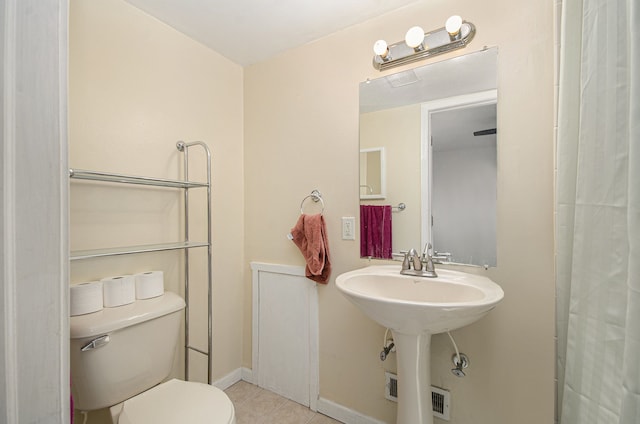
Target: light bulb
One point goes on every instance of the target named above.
(453, 25)
(414, 37)
(380, 48)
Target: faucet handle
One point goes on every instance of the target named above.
(428, 260)
(405, 261)
(441, 257)
(427, 247)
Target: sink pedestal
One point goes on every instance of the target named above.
(413, 355)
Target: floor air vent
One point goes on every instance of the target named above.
(439, 397)
(391, 386)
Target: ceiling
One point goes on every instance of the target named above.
(453, 129)
(250, 31)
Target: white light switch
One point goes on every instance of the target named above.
(348, 228)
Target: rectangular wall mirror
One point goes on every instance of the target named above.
(437, 126)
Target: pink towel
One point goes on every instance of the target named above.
(310, 235)
(375, 231)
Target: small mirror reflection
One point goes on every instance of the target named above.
(372, 173)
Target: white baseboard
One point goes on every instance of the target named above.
(344, 414)
(229, 380)
(247, 375)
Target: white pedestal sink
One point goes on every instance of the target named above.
(414, 308)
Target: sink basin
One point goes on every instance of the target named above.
(414, 305)
(414, 308)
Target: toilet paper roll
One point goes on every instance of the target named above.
(149, 284)
(85, 298)
(118, 291)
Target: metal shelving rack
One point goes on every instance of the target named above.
(186, 245)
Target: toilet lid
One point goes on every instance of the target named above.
(179, 401)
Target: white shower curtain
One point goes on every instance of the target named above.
(598, 213)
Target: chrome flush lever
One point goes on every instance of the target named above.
(96, 343)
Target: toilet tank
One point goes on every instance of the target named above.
(117, 353)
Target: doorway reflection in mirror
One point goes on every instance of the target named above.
(464, 173)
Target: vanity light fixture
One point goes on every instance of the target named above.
(419, 45)
(415, 38)
(381, 50)
(453, 26)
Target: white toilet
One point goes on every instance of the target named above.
(120, 355)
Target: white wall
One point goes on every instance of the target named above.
(464, 204)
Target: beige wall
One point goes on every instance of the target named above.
(136, 87)
(301, 133)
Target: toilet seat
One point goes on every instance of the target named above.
(177, 401)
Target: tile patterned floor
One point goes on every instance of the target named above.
(258, 406)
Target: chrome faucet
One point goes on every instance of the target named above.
(420, 266)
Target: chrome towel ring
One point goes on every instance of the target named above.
(316, 196)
